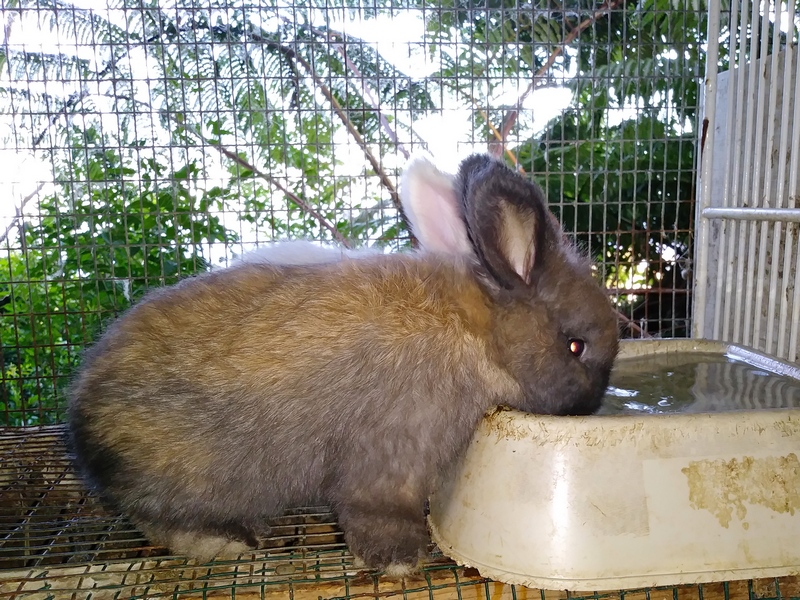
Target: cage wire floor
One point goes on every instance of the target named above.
(56, 541)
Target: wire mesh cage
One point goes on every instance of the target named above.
(58, 542)
(145, 142)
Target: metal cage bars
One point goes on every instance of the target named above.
(747, 248)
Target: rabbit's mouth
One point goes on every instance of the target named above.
(581, 406)
(575, 396)
(581, 409)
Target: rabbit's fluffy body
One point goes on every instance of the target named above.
(229, 397)
(234, 420)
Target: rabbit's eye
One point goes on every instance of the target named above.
(576, 346)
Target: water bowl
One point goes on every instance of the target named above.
(689, 474)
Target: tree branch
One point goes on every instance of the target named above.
(510, 118)
(18, 211)
(300, 202)
(511, 156)
(367, 92)
(337, 108)
(305, 206)
(352, 130)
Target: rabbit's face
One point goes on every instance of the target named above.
(554, 328)
(560, 343)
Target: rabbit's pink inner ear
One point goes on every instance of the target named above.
(518, 240)
(431, 206)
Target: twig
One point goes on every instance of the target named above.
(291, 195)
(367, 92)
(272, 181)
(511, 115)
(18, 211)
(633, 326)
(290, 56)
(337, 108)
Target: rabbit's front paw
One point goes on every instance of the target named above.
(393, 544)
(401, 570)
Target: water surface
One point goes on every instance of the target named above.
(695, 382)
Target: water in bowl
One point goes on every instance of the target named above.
(697, 383)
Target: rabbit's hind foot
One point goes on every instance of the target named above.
(200, 545)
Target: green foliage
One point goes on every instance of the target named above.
(134, 211)
(627, 213)
(117, 225)
(618, 165)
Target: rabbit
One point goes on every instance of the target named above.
(219, 402)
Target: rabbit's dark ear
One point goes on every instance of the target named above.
(433, 208)
(506, 218)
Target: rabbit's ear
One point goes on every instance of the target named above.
(433, 208)
(506, 217)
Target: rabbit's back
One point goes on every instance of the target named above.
(243, 378)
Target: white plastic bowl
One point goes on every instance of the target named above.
(622, 501)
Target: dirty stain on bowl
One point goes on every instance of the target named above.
(696, 382)
(726, 488)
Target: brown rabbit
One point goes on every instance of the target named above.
(219, 402)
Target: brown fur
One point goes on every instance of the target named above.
(221, 401)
